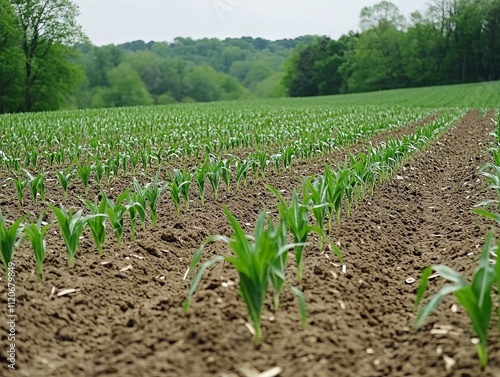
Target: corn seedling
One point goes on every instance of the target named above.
(241, 172)
(254, 262)
(183, 180)
(214, 176)
(124, 162)
(349, 188)
(135, 209)
(10, 240)
(116, 212)
(275, 159)
(97, 224)
(317, 199)
(287, 156)
(263, 162)
(84, 172)
(226, 173)
(36, 234)
(98, 169)
(296, 216)
(50, 157)
(115, 166)
(37, 185)
(335, 193)
(20, 186)
(200, 175)
(254, 166)
(475, 298)
(152, 192)
(139, 197)
(64, 179)
(134, 160)
(175, 196)
(71, 226)
(144, 158)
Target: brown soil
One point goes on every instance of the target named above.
(360, 323)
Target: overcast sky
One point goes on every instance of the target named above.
(118, 21)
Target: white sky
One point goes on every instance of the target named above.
(119, 21)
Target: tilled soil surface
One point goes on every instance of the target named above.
(125, 318)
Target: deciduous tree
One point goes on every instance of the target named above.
(46, 26)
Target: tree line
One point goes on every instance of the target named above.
(47, 62)
(184, 70)
(452, 41)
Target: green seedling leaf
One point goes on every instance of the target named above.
(422, 287)
(302, 304)
(10, 240)
(36, 234)
(196, 280)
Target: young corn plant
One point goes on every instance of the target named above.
(135, 210)
(475, 298)
(36, 234)
(335, 193)
(84, 172)
(254, 166)
(116, 212)
(115, 166)
(37, 185)
(263, 160)
(20, 186)
(138, 196)
(134, 160)
(152, 192)
(71, 226)
(10, 239)
(124, 158)
(97, 224)
(352, 181)
(241, 172)
(64, 179)
(199, 176)
(175, 190)
(278, 265)
(183, 180)
(253, 259)
(275, 159)
(287, 156)
(317, 199)
(296, 216)
(98, 169)
(214, 176)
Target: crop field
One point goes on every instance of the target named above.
(283, 237)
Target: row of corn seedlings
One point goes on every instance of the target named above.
(148, 138)
(123, 163)
(475, 296)
(341, 188)
(137, 204)
(261, 259)
(324, 195)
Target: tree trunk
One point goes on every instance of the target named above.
(28, 95)
(464, 67)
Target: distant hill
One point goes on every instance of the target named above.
(186, 69)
